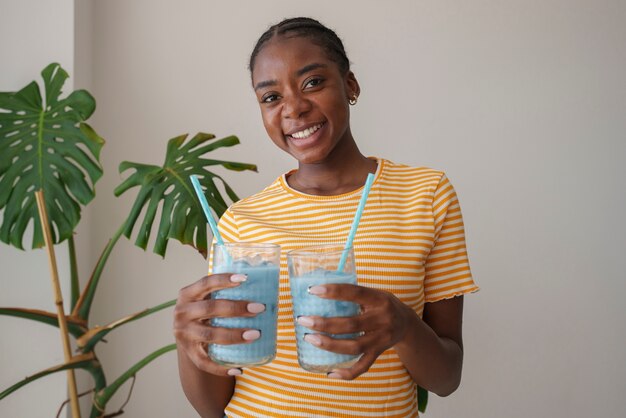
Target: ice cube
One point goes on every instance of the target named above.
(241, 264)
(256, 260)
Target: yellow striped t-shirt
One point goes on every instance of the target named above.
(410, 241)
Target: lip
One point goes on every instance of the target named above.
(309, 141)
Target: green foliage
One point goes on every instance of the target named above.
(88, 339)
(104, 395)
(181, 215)
(422, 399)
(46, 145)
(75, 326)
(82, 361)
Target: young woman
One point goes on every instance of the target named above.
(412, 263)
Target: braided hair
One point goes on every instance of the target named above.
(309, 28)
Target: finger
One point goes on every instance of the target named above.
(198, 355)
(203, 287)
(373, 321)
(212, 308)
(336, 345)
(333, 325)
(349, 292)
(348, 344)
(227, 336)
(197, 333)
(368, 321)
(357, 369)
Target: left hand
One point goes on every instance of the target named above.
(383, 320)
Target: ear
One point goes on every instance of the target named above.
(352, 85)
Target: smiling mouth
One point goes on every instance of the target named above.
(305, 133)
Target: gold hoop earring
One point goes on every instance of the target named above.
(353, 99)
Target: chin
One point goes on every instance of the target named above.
(310, 158)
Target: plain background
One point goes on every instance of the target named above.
(32, 35)
(522, 103)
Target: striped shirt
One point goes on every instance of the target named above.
(410, 242)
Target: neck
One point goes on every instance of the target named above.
(343, 171)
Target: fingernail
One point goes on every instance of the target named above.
(238, 278)
(313, 339)
(255, 307)
(317, 290)
(333, 375)
(305, 321)
(234, 372)
(251, 334)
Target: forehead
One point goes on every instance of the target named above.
(286, 55)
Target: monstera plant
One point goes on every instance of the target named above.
(46, 145)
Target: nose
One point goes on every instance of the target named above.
(295, 105)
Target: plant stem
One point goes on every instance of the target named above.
(83, 306)
(74, 326)
(82, 361)
(102, 397)
(97, 373)
(58, 297)
(74, 280)
(87, 344)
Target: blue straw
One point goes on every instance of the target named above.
(206, 208)
(355, 221)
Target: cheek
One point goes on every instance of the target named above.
(273, 128)
(270, 116)
(342, 113)
(267, 125)
(339, 103)
(269, 121)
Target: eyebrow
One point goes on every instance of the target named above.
(309, 67)
(300, 72)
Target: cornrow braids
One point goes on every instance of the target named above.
(309, 28)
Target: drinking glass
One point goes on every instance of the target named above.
(313, 266)
(260, 262)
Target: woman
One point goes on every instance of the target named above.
(410, 249)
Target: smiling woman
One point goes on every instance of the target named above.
(411, 261)
(304, 97)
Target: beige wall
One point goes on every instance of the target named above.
(521, 103)
(32, 35)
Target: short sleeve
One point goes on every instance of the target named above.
(447, 270)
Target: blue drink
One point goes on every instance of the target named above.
(318, 265)
(261, 287)
(311, 357)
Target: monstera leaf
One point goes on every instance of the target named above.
(46, 145)
(170, 188)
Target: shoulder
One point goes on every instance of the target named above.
(409, 177)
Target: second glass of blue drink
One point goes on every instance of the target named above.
(317, 265)
(260, 262)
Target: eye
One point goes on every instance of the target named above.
(313, 82)
(269, 98)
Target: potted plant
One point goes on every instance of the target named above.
(48, 149)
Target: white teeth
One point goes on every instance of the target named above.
(307, 132)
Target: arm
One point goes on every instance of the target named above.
(208, 394)
(432, 349)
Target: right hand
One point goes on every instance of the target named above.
(192, 320)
